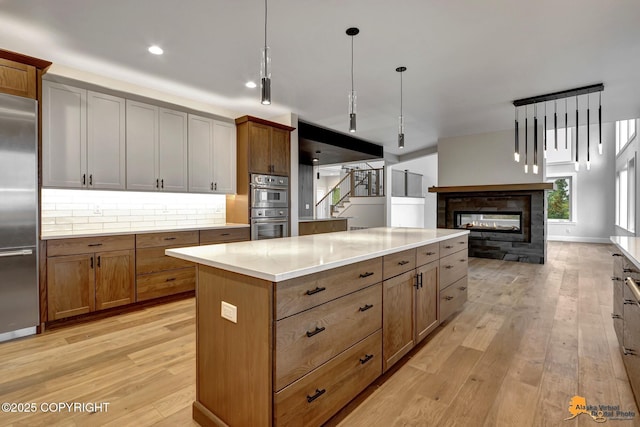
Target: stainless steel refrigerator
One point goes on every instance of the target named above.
(19, 301)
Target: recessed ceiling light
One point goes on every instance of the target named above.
(251, 85)
(156, 50)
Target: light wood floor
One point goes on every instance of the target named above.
(529, 338)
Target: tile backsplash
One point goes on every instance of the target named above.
(89, 211)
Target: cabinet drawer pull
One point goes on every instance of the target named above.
(91, 262)
(430, 253)
(91, 245)
(629, 302)
(615, 278)
(463, 260)
(448, 246)
(315, 396)
(448, 297)
(616, 255)
(367, 274)
(366, 307)
(91, 179)
(628, 351)
(628, 270)
(316, 331)
(225, 234)
(366, 358)
(462, 288)
(403, 262)
(461, 243)
(157, 183)
(98, 261)
(212, 186)
(170, 279)
(169, 238)
(315, 291)
(615, 316)
(448, 267)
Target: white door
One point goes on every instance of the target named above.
(64, 136)
(106, 141)
(224, 157)
(200, 154)
(142, 146)
(172, 150)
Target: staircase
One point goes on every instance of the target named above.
(356, 183)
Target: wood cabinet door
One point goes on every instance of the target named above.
(280, 152)
(106, 157)
(115, 278)
(224, 157)
(200, 154)
(17, 79)
(259, 148)
(397, 327)
(172, 150)
(426, 300)
(70, 285)
(142, 146)
(64, 136)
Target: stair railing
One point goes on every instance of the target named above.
(356, 183)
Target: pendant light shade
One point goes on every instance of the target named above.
(588, 137)
(555, 125)
(577, 163)
(265, 66)
(401, 118)
(600, 124)
(526, 139)
(544, 132)
(516, 153)
(535, 139)
(566, 126)
(352, 32)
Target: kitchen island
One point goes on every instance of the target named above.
(288, 331)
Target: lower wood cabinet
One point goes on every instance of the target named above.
(114, 279)
(397, 317)
(426, 305)
(318, 227)
(70, 286)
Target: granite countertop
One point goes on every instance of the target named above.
(630, 247)
(128, 230)
(287, 258)
(311, 219)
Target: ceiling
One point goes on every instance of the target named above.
(466, 59)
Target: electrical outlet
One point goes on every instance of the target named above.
(97, 210)
(229, 312)
(306, 206)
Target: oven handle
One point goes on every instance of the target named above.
(267, 187)
(269, 221)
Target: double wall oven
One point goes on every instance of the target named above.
(269, 206)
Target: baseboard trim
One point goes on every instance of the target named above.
(578, 239)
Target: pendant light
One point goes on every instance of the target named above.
(544, 132)
(566, 126)
(526, 138)
(352, 32)
(577, 164)
(401, 118)
(516, 153)
(265, 66)
(535, 138)
(555, 124)
(600, 123)
(588, 136)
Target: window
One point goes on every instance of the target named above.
(625, 196)
(561, 201)
(625, 132)
(565, 144)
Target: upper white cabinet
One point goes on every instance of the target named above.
(156, 148)
(212, 155)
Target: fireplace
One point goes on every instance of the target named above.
(505, 221)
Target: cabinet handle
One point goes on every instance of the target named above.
(212, 186)
(616, 255)
(628, 351)
(628, 270)
(462, 288)
(157, 183)
(94, 244)
(315, 291)
(430, 253)
(98, 260)
(169, 238)
(91, 180)
(367, 274)
(421, 281)
(448, 247)
(315, 396)
(615, 316)
(215, 186)
(615, 278)
(91, 262)
(403, 262)
(461, 243)
(463, 260)
(315, 332)
(225, 234)
(629, 302)
(448, 297)
(448, 267)
(417, 285)
(162, 183)
(366, 307)
(171, 279)
(84, 179)
(366, 358)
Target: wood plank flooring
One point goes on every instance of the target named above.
(529, 338)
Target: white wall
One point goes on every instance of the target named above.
(407, 212)
(629, 152)
(484, 159)
(428, 167)
(595, 195)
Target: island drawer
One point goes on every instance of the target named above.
(398, 263)
(224, 235)
(167, 240)
(295, 295)
(448, 247)
(165, 283)
(307, 340)
(428, 253)
(453, 267)
(313, 399)
(84, 245)
(153, 260)
(452, 298)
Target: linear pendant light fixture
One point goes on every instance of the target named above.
(555, 96)
(516, 153)
(401, 118)
(265, 66)
(352, 32)
(526, 138)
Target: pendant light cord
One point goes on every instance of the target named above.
(400, 94)
(266, 71)
(352, 65)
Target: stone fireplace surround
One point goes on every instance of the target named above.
(530, 245)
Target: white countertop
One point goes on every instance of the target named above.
(630, 247)
(129, 230)
(276, 260)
